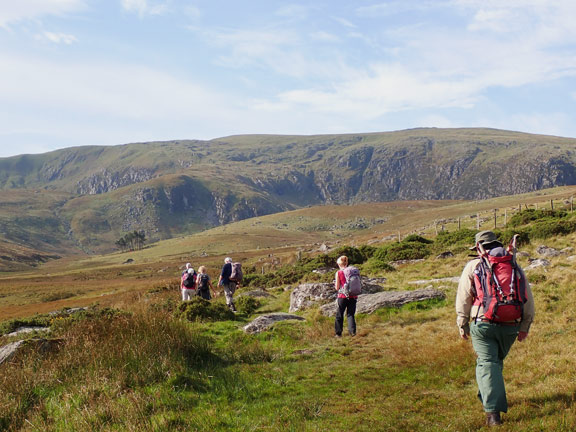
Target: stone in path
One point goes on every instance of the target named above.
(264, 322)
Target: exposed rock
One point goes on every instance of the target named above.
(128, 261)
(323, 248)
(42, 346)
(538, 263)
(567, 250)
(445, 255)
(310, 294)
(368, 303)
(264, 322)
(24, 330)
(547, 251)
(8, 351)
(256, 293)
(324, 270)
(453, 279)
(523, 254)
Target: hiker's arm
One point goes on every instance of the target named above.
(465, 299)
(337, 281)
(522, 335)
(528, 312)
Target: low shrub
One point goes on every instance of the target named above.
(199, 309)
(376, 265)
(527, 216)
(247, 305)
(402, 251)
(453, 238)
(416, 238)
(549, 228)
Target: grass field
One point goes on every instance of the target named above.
(406, 370)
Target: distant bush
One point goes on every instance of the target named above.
(367, 250)
(402, 251)
(376, 265)
(199, 309)
(452, 238)
(549, 228)
(247, 305)
(416, 238)
(527, 216)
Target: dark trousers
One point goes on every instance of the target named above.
(347, 305)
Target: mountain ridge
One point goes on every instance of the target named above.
(173, 188)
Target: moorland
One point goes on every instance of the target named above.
(132, 361)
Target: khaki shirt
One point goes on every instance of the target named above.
(465, 308)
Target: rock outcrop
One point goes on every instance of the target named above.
(264, 322)
(368, 303)
(311, 294)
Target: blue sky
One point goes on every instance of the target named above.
(88, 72)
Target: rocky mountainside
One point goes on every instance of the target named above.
(177, 187)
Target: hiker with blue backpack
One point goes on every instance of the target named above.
(348, 285)
(494, 307)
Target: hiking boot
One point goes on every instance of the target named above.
(337, 336)
(232, 308)
(493, 419)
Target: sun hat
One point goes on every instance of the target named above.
(485, 238)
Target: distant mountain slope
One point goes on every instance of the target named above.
(177, 187)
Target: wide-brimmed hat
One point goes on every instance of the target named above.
(484, 238)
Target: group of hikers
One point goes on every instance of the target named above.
(200, 284)
(494, 307)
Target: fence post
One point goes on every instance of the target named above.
(505, 216)
(551, 204)
(458, 223)
(495, 225)
(478, 221)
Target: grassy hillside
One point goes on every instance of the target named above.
(175, 188)
(141, 368)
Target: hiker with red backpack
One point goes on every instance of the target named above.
(348, 285)
(230, 278)
(495, 307)
(188, 283)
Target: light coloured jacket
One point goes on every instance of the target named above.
(465, 308)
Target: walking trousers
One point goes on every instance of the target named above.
(492, 342)
(347, 305)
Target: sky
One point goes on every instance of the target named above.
(109, 72)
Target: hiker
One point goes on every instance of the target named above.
(188, 283)
(228, 285)
(203, 283)
(494, 273)
(346, 302)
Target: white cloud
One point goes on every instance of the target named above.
(145, 7)
(20, 10)
(58, 38)
(294, 11)
(324, 37)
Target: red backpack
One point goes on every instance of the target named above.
(500, 287)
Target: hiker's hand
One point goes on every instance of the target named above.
(464, 333)
(522, 335)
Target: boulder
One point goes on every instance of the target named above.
(368, 303)
(264, 322)
(43, 346)
(8, 351)
(445, 255)
(24, 330)
(309, 294)
(546, 251)
(538, 263)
